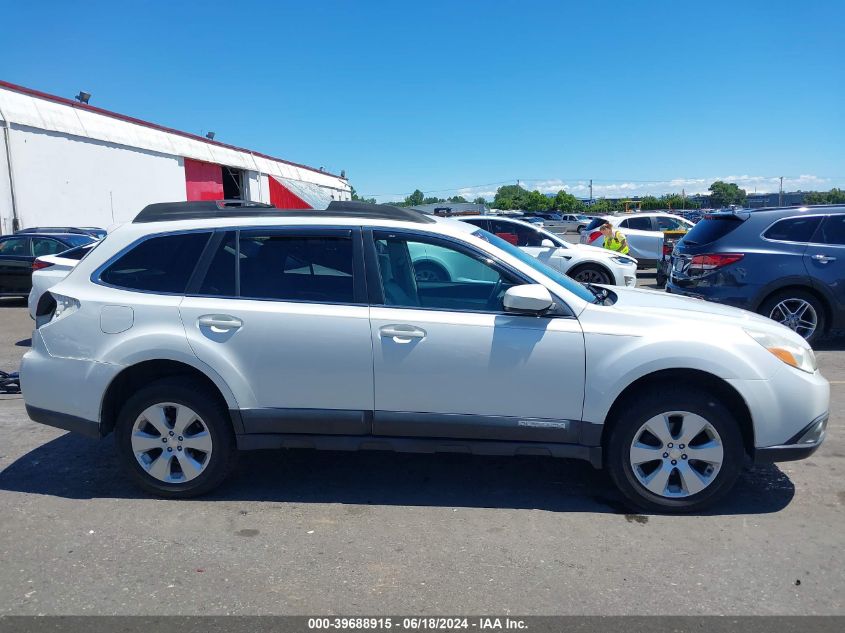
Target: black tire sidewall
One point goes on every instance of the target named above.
(192, 394)
(768, 305)
(595, 268)
(622, 435)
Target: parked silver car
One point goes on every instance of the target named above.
(574, 223)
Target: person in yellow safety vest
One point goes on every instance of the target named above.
(614, 240)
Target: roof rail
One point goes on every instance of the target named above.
(208, 209)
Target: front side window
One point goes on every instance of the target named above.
(669, 224)
(417, 273)
(833, 230)
(286, 267)
(15, 246)
(799, 229)
(158, 264)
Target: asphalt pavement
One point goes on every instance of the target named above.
(302, 532)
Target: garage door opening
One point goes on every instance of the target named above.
(233, 180)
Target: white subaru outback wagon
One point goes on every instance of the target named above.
(201, 329)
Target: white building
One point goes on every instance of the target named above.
(65, 163)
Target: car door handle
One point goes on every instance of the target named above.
(220, 321)
(401, 333)
(824, 258)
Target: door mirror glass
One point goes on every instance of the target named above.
(547, 243)
(528, 299)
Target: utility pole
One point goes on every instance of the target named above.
(780, 195)
(591, 189)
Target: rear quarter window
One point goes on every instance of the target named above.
(595, 223)
(159, 264)
(793, 229)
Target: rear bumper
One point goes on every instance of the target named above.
(727, 295)
(801, 446)
(89, 428)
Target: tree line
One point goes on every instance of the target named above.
(516, 197)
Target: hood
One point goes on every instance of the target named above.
(666, 305)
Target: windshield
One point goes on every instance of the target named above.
(77, 240)
(558, 277)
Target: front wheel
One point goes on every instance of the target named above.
(175, 439)
(591, 274)
(675, 453)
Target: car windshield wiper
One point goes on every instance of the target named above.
(601, 294)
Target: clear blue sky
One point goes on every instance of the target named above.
(449, 95)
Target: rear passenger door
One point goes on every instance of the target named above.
(644, 240)
(281, 315)
(15, 265)
(824, 260)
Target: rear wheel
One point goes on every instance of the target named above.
(798, 310)
(675, 454)
(429, 271)
(591, 274)
(175, 438)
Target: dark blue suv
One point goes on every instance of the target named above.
(786, 263)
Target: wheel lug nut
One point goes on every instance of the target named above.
(178, 448)
(665, 454)
(674, 461)
(684, 456)
(670, 445)
(681, 446)
(164, 439)
(180, 439)
(172, 434)
(169, 449)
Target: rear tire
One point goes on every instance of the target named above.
(591, 274)
(779, 306)
(674, 469)
(175, 438)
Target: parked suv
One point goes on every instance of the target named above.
(644, 232)
(786, 263)
(198, 330)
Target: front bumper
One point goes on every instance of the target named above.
(801, 446)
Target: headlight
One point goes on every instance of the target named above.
(625, 261)
(797, 356)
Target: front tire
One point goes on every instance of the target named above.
(591, 274)
(675, 453)
(175, 439)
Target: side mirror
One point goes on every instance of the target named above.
(547, 243)
(528, 299)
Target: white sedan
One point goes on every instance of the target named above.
(586, 264)
(644, 232)
(48, 270)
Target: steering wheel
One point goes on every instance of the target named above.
(493, 299)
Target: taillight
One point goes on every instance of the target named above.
(712, 261)
(593, 236)
(38, 264)
(513, 238)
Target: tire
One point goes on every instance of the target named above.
(431, 272)
(776, 306)
(137, 438)
(591, 274)
(681, 481)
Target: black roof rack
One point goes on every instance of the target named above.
(172, 211)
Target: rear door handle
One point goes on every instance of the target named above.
(401, 333)
(824, 258)
(220, 322)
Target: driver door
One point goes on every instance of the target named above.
(450, 362)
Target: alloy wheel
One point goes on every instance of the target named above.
(591, 276)
(171, 442)
(676, 454)
(798, 315)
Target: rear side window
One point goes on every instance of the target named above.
(712, 228)
(44, 246)
(296, 268)
(833, 230)
(17, 246)
(638, 224)
(159, 264)
(792, 230)
(595, 223)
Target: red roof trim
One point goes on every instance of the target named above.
(122, 117)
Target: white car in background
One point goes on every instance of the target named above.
(48, 270)
(644, 232)
(586, 264)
